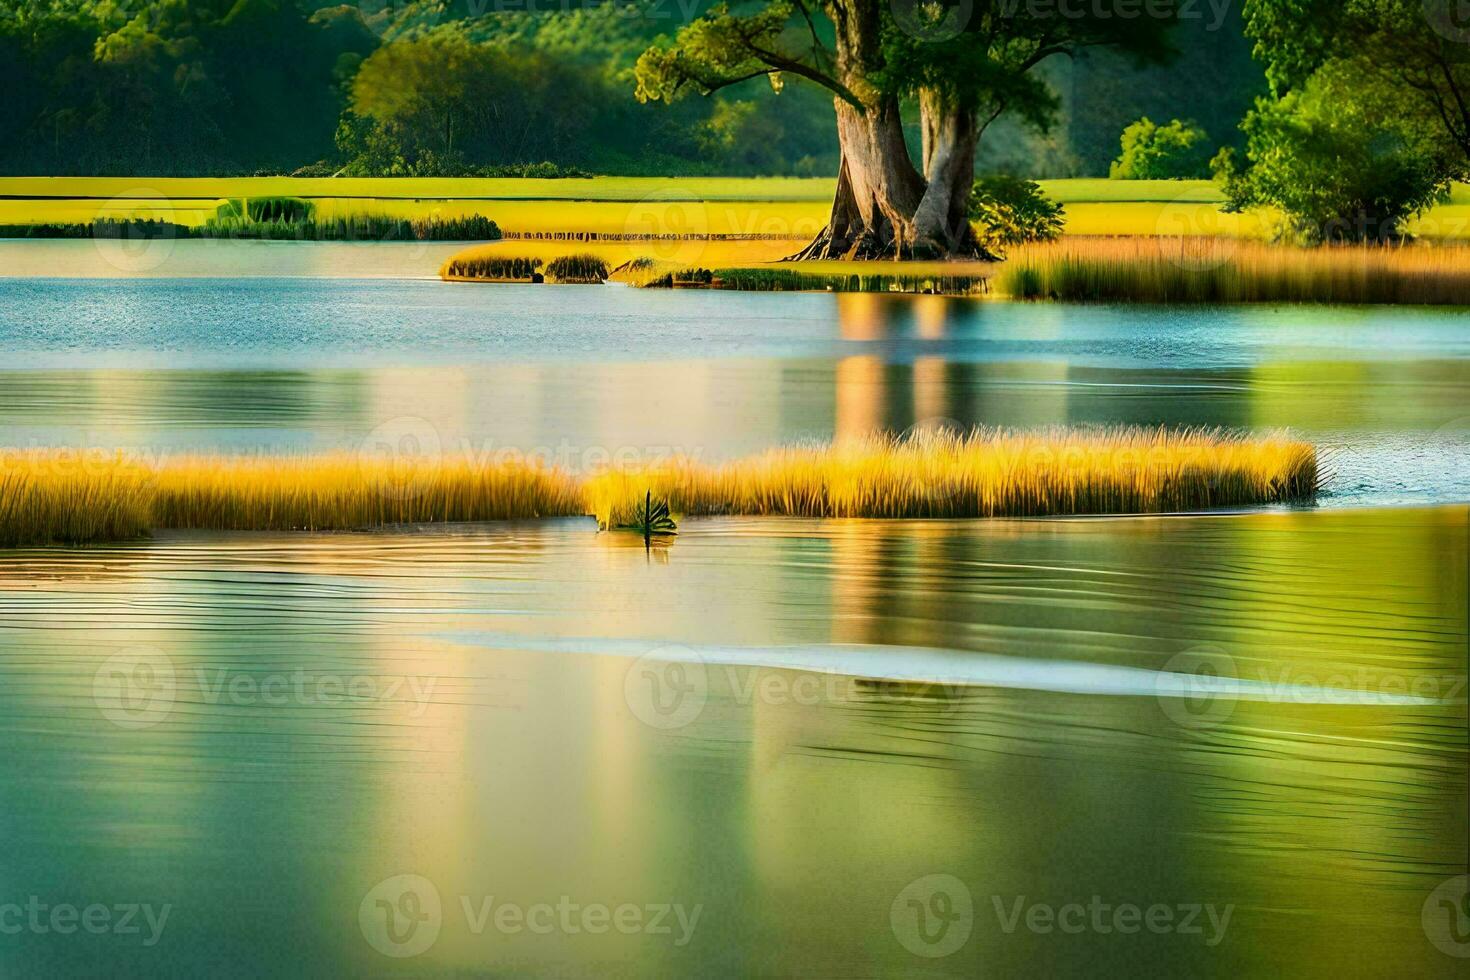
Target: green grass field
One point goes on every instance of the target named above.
(637, 207)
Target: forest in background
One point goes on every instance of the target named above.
(461, 87)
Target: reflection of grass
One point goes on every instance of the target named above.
(1202, 270)
(60, 496)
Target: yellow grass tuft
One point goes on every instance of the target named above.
(1219, 270)
(67, 497)
(986, 473)
(60, 496)
(345, 491)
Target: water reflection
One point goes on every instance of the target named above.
(171, 365)
(480, 730)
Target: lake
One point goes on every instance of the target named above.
(1212, 744)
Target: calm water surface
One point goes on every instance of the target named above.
(773, 747)
(580, 373)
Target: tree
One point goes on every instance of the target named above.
(1417, 51)
(1340, 162)
(1370, 121)
(1175, 150)
(962, 63)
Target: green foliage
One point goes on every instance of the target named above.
(580, 268)
(1409, 57)
(1338, 161)
(288, 210)
(1013, 211)
(651, 519)
(1178, 150)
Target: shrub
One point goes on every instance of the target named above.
(1013, 211)
(1340, 164)
(1176, 150)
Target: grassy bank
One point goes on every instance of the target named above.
(1220, 271)
(58, 496)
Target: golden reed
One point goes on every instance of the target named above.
(1228, 270)
(61, 496)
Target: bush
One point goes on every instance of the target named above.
(1340, 163)
(1013, 211)
(1177, 150)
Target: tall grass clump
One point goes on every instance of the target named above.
(56, 496)
(288, 210)
(1214, 270)
(984, 473)
(580, 268)
(493, 268)
(348, 491)
(351, 228)
(63, 497)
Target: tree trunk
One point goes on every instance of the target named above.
(951, 133)
(878, 189)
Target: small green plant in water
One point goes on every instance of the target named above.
(651, 519)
